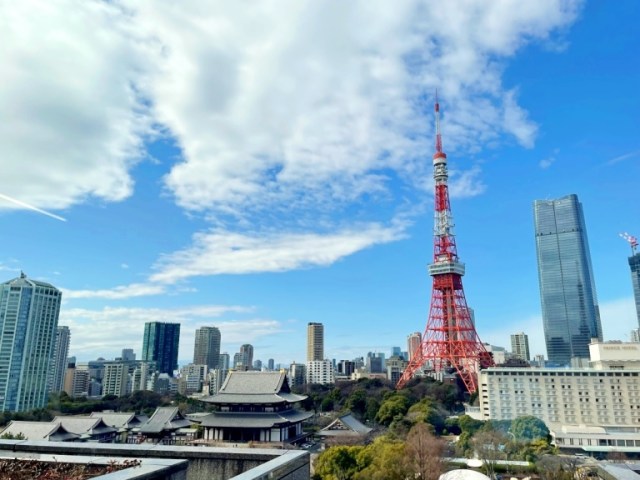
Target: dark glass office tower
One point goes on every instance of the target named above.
(569, 307)
(160, 345)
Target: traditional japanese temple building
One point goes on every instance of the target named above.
(255, 406)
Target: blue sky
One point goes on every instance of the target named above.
(260, 168)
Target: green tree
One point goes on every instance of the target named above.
(326, 405)
(13, 436)
(393, 406)
(357, 402)
(338, 463)
(426, 410)
(382, 460)
(529, 428)
(373, 405)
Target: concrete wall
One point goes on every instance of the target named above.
(205, 463)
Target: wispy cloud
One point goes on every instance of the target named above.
(219, 252)
(550, 160)
(22, 204)
(622, 158)
(117, 293)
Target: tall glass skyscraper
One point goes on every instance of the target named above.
(569, 306)
(160, 345)
(29, 312)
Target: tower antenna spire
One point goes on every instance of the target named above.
(438, 136)
(450, 342)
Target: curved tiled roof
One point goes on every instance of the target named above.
(84, 425)
(165, 418)
(52, 431)
(254, 419)
(255, 388)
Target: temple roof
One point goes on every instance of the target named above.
(121, 420)
(255, 388)
(84, 425)
(165, 418)
(52, 431)
(254, 419)
(345, 425)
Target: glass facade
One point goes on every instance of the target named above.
(160, 345)
(569, 306)
(634, 263)
(29, 313)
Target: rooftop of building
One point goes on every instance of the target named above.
(250, 387)
(23, 281)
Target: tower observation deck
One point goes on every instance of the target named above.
(450, 341)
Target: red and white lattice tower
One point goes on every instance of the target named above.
(450, 340)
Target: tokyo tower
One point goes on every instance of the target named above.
(450, 341)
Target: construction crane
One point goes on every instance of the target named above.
(633, 241)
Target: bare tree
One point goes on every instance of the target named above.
(424, 452)
(489, 447)
(555, 467)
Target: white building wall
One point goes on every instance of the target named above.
(561, 396)
(320, 372)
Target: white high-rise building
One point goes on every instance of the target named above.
(59, 360)
(320, 371)
(520, 346)
(29, 312)
(116, 379)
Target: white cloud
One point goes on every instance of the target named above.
(220, 252)
(116, 293)
(107, 331)
(72, 117)
(279, 104)
(290, 100)
(546, 162)
(550, 160)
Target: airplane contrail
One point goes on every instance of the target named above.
(31, 207)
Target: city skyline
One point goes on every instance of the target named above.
(176, 187)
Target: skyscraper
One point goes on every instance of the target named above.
(634, 263)
(570, 312)
(246, 355)
(29, 312)
(413, 343)
(520, 346)
(207, 347)
(315, 342)
(160, 345)
(59, 359)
